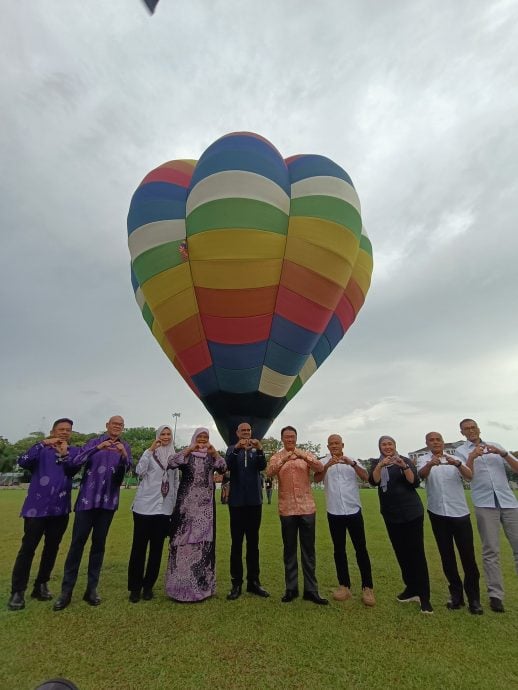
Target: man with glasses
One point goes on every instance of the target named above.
(494, 503)
(106, 460)
(245, 461)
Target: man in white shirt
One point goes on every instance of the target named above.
(494, 503)
(450, 519)
(344, 514)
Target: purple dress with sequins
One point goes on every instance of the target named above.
(190, 572)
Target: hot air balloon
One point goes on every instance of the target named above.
(249, 269)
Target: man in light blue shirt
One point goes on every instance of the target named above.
(494, 503)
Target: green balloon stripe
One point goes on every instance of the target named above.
(328, 208)
(157, 260)
(236, 213)
(294, 388)
(148, 316)
(366, 245)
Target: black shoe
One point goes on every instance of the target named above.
(91, 597)
(41, 592)
(455, 604)
(234, 593)
(255, 588)
(134, 596)
(426, 607)
(315, 598)
(16, 602)
(475, 608)
(148, 594)
(62, 601)
(496, 605)
(407, 596)
(290, 595)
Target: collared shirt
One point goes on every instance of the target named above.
(245, 466)
(444, 489)
(149, 499)
(102, 476)
(295, 496)
(51, 481)
(489, 478)
(341, 489)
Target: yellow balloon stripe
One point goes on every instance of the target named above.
(229, 274)
(236, 244)
(319, 259)
(158, 288)
(275, 384)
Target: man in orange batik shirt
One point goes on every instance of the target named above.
(297, 511)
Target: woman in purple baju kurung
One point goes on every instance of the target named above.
(190, 573)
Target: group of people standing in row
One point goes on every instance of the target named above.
(175, 499)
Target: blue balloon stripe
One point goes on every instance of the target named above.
(206, 381)
(245, 356)
(158, 191)
(322, 350)
(243, 160)
(315, 166)
(153, 211)
(282, 360)
(292, 336)
(239, 381)
(334, 331)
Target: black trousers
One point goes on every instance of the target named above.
(97, 521)
(148, 530)
(339, 525)
(53, 529)
(245, 521)
(458, 530)
(407, 540)
(294, 528)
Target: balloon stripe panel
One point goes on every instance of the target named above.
(231, 330)
(304, 166)
(159, 191)
(354, 296)
(283, 360)
(186, 333)
(332, 236)
(328, 208)
(176, 309)
(161, 286)
(229, 274)
(152, 211)
(301, 310)
(293, 337)
(321, 351)
(237, 245)
(318, 259)
(238, 381)
(274, 384)
(334, 331)
(307, 370)
(154, 235)
(206, 381)
(243, 356)
(195, 358)
(236, 213)
(311, 285)
(244, 185)
(346, 312)
(157, 260)
(326, 186)
(238, 302)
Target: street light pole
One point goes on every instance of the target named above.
(175, 415)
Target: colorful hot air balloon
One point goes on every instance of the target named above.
(248, 269)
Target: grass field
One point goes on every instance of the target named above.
(254, 643)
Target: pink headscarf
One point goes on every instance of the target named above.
(198, 431)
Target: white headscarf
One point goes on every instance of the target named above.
(163, 453)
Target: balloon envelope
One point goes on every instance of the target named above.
(248, 269)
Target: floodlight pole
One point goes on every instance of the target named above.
(175, 415)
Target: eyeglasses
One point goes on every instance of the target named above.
(470, 428)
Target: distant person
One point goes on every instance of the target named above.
(152, 508)
(297, 511)
(402, 510)
(105, 460)
(191, 567)
(45, 511)
(450, 520)
(245, 461)
(269, 489)
(344, 514)
(495, 504)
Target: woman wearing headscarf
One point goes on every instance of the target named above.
(402, 510)
(190, 573)
(152, 508)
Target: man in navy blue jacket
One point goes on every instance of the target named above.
(245, 461)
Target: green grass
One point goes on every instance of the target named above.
(254, 643)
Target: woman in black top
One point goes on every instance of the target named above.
(402, 510)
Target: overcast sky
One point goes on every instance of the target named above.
(416, 99)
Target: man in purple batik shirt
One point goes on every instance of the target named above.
(45, 510)
(106, 459)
